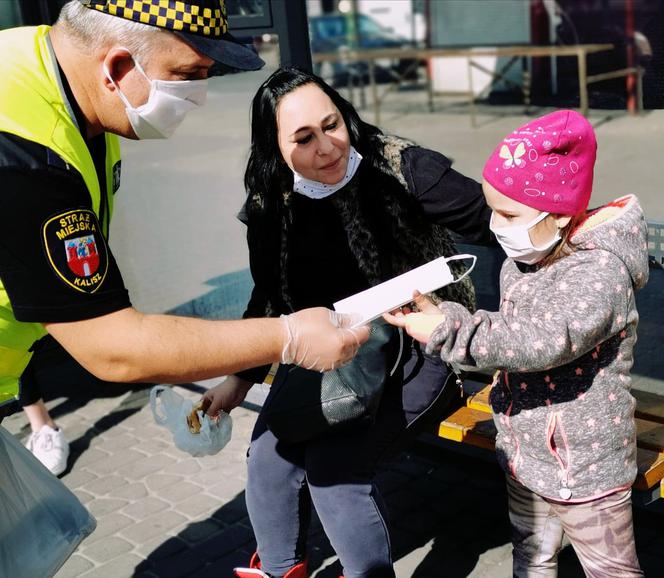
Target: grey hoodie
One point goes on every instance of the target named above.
(563, 338)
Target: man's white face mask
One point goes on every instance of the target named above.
(168, 104)
(516, 242)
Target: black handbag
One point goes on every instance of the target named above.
(303, 404)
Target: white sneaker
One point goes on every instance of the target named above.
(50, 447)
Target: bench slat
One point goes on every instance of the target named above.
(480, 400)
(651, 469)
(470, 426)
(649, 413)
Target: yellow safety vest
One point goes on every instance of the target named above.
(33, 106)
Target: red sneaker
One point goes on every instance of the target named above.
(250, 573)
(254, 570)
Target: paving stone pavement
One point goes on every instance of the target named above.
(161, 513)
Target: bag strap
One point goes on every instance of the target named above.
(401, 348)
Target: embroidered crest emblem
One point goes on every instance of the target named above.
(76, 249)
(82, 256)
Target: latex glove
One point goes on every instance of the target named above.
(420, 325)
(226, 396)
(321, 339)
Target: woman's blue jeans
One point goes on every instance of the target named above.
(334, 473)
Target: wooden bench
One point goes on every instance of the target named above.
(471, 423)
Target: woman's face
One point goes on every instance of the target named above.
(313, 138)
(507, 213)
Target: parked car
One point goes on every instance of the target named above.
(334, 32)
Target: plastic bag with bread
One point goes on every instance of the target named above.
(193, 430)
(193, 420)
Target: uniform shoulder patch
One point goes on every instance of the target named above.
(76, 249)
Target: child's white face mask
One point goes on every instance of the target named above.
(516, 242)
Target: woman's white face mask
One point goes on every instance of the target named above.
(516, 242)
(168, 104)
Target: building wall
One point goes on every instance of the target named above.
(476, 23)
(10, 15)
(397, 16)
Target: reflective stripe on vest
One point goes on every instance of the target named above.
(33, 107)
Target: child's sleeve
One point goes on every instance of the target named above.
(584, 306)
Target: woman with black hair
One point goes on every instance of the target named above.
(333, 207)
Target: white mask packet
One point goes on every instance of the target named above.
(167, 105)
(371, 303)
(516, 242)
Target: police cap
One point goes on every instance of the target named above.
(201, 23)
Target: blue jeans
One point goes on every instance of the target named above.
(335, 472)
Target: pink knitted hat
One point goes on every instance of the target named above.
(547, 163)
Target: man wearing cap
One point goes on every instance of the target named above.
(107, 68)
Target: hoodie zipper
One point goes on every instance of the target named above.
(554, 422)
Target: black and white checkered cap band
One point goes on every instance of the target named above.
(201, 18)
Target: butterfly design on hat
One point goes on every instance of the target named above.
(513, 159)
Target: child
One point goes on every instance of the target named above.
(563, 340)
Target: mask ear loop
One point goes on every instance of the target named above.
(459, 258)
(138, 66)
(456, 368)
(123, 98)
(107, 72)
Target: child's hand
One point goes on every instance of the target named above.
(420, 326)
(226, 396)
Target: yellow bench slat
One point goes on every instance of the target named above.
(650, 468)
(480, 400)
(475, 427)
(649, 413)
(469, 426)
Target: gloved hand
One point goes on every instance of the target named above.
(321, 339)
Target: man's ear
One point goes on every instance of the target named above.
(118, 62)
(562, 220)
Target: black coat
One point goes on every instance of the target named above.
(397, 212)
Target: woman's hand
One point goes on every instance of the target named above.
(226, 396)
(420, 325)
